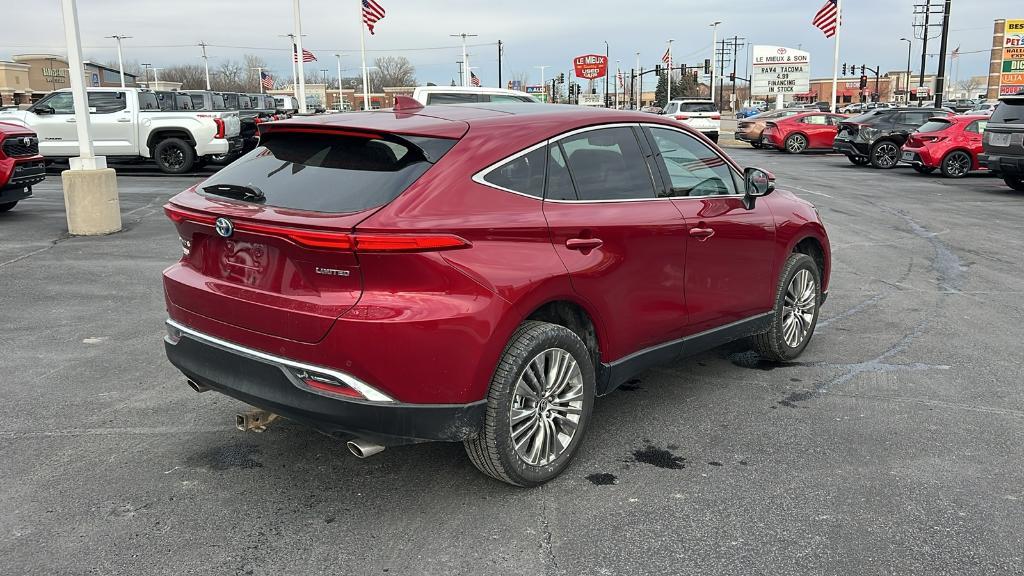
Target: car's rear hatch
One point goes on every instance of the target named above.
(269, 242)
(1004, 134)
(699, 115)
(935, 130)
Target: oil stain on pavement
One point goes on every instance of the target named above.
(241, 456)
(659, 457)
(603, 479)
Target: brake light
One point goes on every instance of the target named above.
(220, 128)
(931, 139)
(716, 117)
(379, 243)
(682, 117)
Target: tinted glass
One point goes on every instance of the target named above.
(977, 127)
(868, 117)
(606, 164)
(183, 102)
(230, 101)
(1009, 112)
(452, 98)
(915, 118)
(818, 120)
(693, 168)
(197, 101)
(149, 101)
(934, 126)
(218, 102)
(108, 102)
(697, 107)
(506, 98)
(524, 174)
(559, 184)
(322, 173)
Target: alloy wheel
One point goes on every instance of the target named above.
(886, 155)
(172, 157)
(796, 143)
(958, 164)
(547, 403)
(798, 309)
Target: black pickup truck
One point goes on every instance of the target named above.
(1004, 142)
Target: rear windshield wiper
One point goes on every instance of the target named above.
(248, 193)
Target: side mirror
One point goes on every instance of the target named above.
(757, 183)
(44, 109)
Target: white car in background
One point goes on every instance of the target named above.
(434, 95)
(983, 109)
(701, 115)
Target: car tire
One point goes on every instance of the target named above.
(797, 302)
(713, 137)
(7, 206)
(174, 156)
(885, 155)
(756, 144)
(924, 169)
(1015, 182)
(857, 160)
(956, 164)
(795, 143)
(520, 455)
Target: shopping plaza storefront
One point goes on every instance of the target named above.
(26, 78)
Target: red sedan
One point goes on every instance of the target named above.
(479, 274)
(950, 144)
(803, 132)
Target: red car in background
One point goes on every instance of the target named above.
(949, 143)
(803, 132)
(479, 274)
(21, 166)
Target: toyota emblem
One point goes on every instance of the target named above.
(26, 141)
(781, 51)
(224, 227)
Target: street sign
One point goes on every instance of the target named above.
(1011, 80)
(535, 89)
(591, 66)
(780, 70)
(591, 100)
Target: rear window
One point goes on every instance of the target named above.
(197, 101)
(697, 107)
(325, 173)
(934, 126)
(1009, 112)
(452, 98)
(867, 117)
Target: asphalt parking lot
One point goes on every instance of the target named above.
(894, 446)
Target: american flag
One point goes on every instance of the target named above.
(622, 82)
(474, 79)
(372, 12)
(307, 56)
(267, 80)
(667, 58)
(827, 19)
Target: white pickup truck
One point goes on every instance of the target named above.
(128, 123)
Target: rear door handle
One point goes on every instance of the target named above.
(702, 234)
(583, 244)
(124, 119)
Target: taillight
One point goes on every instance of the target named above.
(319, 240)
(716, 117)
(220, 128)
(931, 139)
(682, 117)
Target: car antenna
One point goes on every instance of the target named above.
(406, 104)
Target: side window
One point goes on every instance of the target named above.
(197, 101)
(693, 168)
(524, 174)
(505, 98)
(150, 101)
(559, 184)
(61, 102)
(451, 98)
(184, 103)
(816, 119)
(976, 127)
(607, 164)
(107, 102)
(670, 108)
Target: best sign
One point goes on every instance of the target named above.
(780, 70)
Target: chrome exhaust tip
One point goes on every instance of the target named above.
(197, 386)
(362, 449)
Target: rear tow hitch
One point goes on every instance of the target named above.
(254, 420)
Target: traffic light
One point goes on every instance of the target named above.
(732, 76)
(863, 81)
(844, 69)
(707, 65)
(696, 79)
(863, 69)
(684, 69)
(657, 69)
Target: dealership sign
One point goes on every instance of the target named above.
(780, 70)
(591, 66)
(1011, 79)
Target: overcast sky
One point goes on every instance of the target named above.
(535, 32)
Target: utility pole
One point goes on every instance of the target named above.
(924, 11)
(465, 56)
(145, 71)
(714, 42)
(259, 77)
(120, 58)
(910, 48)
(736, 44)
(206, 64)
(721, 54)
(607, 70)
(940, 78)
(501, 52)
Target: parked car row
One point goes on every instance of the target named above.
(927, 139)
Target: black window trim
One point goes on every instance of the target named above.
(480, 176)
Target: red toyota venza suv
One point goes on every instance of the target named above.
(479, 273)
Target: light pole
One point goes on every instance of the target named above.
(341, 103)
(298, 56)
(206, 63)
(465, 56)
(156, 75)
(639, 84)
(714, 43)
(120, 58)
(259, 77)
(606, 73)
(910, 46)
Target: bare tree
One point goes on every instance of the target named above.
(229, 77)
(252, 74)
(392, 71)
(130, 67)
(522, 78)
(191, 76)
(969, 87)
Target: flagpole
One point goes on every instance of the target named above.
(835, 60)
(300, 56)
(259, 78)
(362, 51)
(669, 93)
(295, 78)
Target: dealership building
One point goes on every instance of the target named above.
(26, 78)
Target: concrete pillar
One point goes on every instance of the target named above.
(90, 198)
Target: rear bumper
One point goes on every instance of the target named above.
(1003, 165)
(850, 148)
(270, 383)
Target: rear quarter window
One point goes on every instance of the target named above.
(325, 173)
